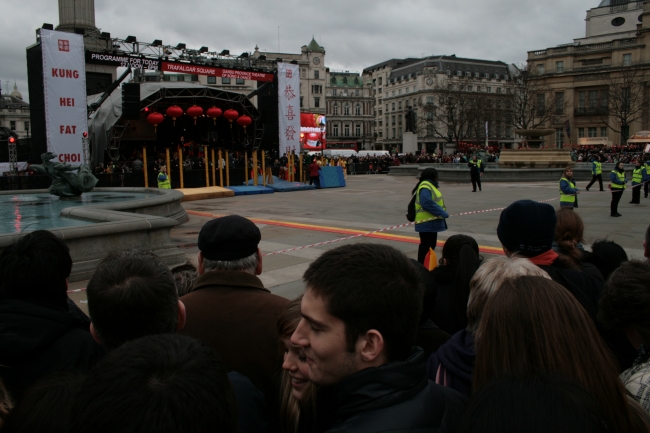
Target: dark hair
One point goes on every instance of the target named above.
(647, 236)
(184, 277)
(430, 291)
(35, 269)
(538, 403)
(625, 302)
(162, 383)
(462, 258)
(46, 405)
(429, 174)
(613, 256)
(131, 294)
(534, 324)
(370, 286)
(569, 231)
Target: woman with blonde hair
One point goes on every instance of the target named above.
(532, 325)
(453, 363)
(297, 392)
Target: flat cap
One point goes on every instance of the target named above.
(229, 238)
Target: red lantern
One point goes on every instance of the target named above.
(174, 112)
(155, 119)
(214, 112)
(195, 111)
(244, 121)
(231, 115)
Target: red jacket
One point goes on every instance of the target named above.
(313, 169)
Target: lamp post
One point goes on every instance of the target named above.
(322, 131)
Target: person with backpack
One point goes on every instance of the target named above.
(430, 211)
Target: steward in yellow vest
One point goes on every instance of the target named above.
(568, 191)
(617, 177)
(596, 173)
(163, 179)
(430, 211)
(637, 183)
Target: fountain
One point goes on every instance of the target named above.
(535, 156)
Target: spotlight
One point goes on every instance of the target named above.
(203, 49)
(156, 42)
(180, 46)
(225, 53)
(131, 39)
(47, 26)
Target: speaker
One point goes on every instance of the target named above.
(131, 101)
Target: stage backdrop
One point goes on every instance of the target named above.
(289, 108)
(64, 81)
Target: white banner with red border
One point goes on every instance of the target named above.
(289, 107)
(64, 85)
(210, 71)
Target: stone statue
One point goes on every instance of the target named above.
(409, 119)
(67, 183)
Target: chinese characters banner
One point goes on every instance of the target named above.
(289, 107)
(64, 84)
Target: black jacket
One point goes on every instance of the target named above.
(36, 341)
(445, 313)
(394, 397)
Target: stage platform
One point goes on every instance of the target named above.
(191, 194)
(250, 190)
(280, 185)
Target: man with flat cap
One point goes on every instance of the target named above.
(230, 310)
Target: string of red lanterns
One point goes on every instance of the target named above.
(195, 112)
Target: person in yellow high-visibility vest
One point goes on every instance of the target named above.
(596, 173)
(568, 191)
(637, 182)
(430, 212)
(617, 177)
(163, 179)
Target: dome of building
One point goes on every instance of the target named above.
(15, 93)
(606, 3)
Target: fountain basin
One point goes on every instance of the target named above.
(96, 224)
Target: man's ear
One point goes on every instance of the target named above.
(258, 269)
(93, 332)
(182, 315)
(370, 348)
(199, 268)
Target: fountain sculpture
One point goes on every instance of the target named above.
(67, 184)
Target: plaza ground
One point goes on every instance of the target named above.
(374, 202)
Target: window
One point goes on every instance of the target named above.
(357, 130)
(393, 132)
(399, 131)
(626, 95)
(380, 133)
(26, 125)
(393, 106)
(593, 132)
(581, 132)
(225, 80)
(380, 81)
(316, 102)
(301, 101)
(335, 130)
(212, 80)
(346, 130)
(498, 89)
(399, 92)
(333, 92)
(593, 99)
(240, 81)
(603, 132)
(381, 123)
(559, 67)
(346, 110)
(429, 100)
(559, 103)
(393, 119)
(317, 89)
(581, 99)
(489, 89)
(399, 105)
(335, 109)
(393, 94)
(380, 89)
(399, 119)
(316, 74)
(357, 110)
(540, 69)
(627, 59)
(469, 88)
(12, 125)
(303, 73)
(356, 92)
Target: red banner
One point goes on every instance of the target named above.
(185, 68)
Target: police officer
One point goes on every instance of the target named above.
(163, 179)
(476, 170)
(596, 173)
(617, 177)
(568, 191)
(637, 182)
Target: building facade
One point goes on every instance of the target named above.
(422, 85)
(14, 113)
(350, 109)
(600, 82)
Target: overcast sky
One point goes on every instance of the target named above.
(356, 34)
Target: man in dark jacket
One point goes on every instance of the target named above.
(360, 317)
(476, 170)
(527, 228)
(41, 330)
(230, 310)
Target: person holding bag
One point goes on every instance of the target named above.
(430, 212)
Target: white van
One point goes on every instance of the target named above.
(346, 153)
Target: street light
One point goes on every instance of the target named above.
(322, 131)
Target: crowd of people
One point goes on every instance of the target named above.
(548, 337)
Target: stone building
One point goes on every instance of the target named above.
(398, 84)
(350, 115)
(14, 112)
(599, 82)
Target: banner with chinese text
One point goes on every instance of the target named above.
(289, 107)
(64, 85)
